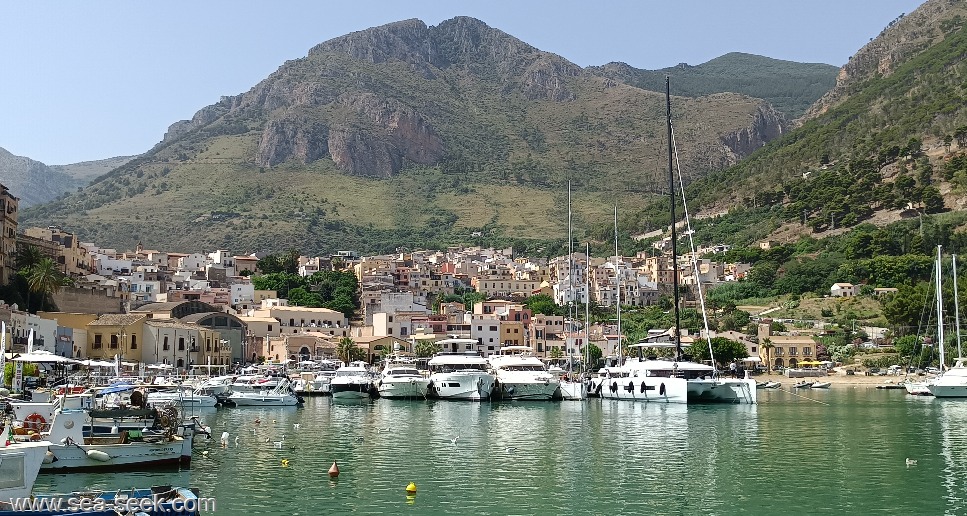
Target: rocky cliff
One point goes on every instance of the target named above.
(905, 37)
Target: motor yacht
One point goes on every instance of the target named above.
(522, 376)
(460, 376)
(402, 381)
(280, 396)
(351, 382)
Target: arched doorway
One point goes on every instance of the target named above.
(304, 353)
(793, 362)
(779, 362)
(181, 363)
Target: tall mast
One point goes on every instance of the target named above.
(940, 312)
(671, 199)
(570, 274)
(957, 307)
(587, 305)
(617, 282)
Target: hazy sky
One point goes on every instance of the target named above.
(89, 80)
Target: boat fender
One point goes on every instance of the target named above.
(661, 390)
(642, 387)
(98, 455)
(614, 386)
(631, 387)
(598, 389)
(49, 458)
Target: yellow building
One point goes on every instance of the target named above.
(116, 334)
(8, 234)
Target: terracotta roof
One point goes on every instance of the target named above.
(158, 307)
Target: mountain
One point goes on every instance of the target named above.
(36, 183)
(408, 135)
(889, 141)
(789, 86)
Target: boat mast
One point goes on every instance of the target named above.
(957, 308)
(587, 306)
(617, 283)
(940, 312)
(671, 199)
(570, 275)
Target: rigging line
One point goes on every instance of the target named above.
(691, 242)
(803, 397)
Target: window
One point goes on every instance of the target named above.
(807, 351)
(134, 342)
(114, 341)
(181, 345)
(165, 346)
(389, 331)
(792, 350)
(493, 328)
(753, 349)
(97, 341)
(208, 344)
(270, 327)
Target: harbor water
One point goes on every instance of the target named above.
(842, 450)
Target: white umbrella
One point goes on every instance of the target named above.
(159, 366)
(43, 357)
(96, 363)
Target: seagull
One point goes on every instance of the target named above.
(204, 452)
(295, 426)
(224, 439)
(511, 449)
(236, 441)
(911, 462)
(278, 445)
(266, 439)
(454, 440)
(359, 439)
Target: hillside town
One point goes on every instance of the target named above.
(165, 309)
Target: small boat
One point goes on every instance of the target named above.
(803, 385)
(402, 381)
(893, 386)
(351, 382)
(280, 396)
(772, 385)
(821, 385)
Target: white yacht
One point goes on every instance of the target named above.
(951, 383)
(522, 376)
(20, 463)
(280, 396)
(460, 377)
(351, 382)
(402, 381)
(182, 397)
(668, 381)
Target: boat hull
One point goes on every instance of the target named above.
(722, 391)
(948, 391)
(917, 388)
(470, 386)
(522, 389)
(651, 389)
(133, 456)
(574, 390)
(264, 400)
(404, 388)
(350, 390)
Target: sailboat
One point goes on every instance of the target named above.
(952, 382)
(676, 380)
(921, 388)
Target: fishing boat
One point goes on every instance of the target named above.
(182, 397)
(821, 385)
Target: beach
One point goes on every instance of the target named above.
(837, 378)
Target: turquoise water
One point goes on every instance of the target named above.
(842, 450)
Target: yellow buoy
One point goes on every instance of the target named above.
(285, 463)
(411, 488)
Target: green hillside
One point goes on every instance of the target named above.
(789, 86)
(407, 135)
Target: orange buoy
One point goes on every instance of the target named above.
(333, 470)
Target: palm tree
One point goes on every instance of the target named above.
(768, 345)
(347, 350)
(45, 278)
(425, 349)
